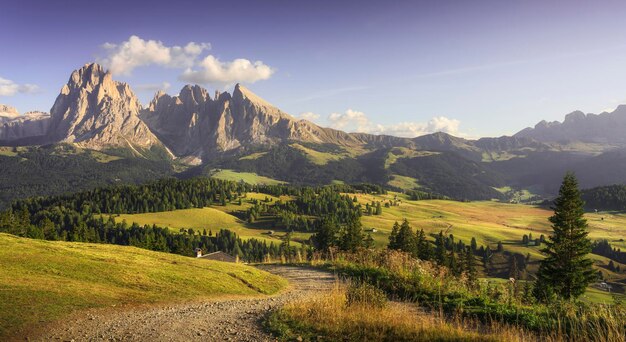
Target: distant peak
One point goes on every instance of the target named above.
(194, 93)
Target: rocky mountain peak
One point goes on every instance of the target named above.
(242, 93)
(194, 94)
(97, 112)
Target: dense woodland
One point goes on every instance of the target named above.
(52, 170)
(612, 197)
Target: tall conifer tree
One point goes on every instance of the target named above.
(566, 271)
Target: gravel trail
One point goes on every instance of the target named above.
(220, 320)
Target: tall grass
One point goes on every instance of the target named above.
(334, 317)
(458, 299)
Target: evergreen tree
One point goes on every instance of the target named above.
(566, 271)
(352, 235)
(474, 245)
(424, 250)
(379, 209)
(611, 266)
(326, 235)
(393, 237)
(470, 266)
(440, 250)
(405, 240)
(513, 268)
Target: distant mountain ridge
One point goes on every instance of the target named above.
(14, 126)
(195, 131)
(605, 128)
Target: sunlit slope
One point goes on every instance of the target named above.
(41, 281)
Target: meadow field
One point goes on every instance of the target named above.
(41, 281)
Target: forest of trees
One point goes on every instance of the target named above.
(612, 197)
(81, 216)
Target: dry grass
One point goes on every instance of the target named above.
(332, 318)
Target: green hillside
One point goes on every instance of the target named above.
(41, 281)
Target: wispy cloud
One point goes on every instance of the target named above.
(10, 88)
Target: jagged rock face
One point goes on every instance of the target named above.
(605, 128)
(96, 112)
(14, 126)
(193, 123)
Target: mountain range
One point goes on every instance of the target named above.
(196, 132)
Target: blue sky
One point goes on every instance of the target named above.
(472, 68)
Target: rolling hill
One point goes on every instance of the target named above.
(78, 276)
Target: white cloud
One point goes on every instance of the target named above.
(10, 88)
(152, 87)
(212, 70)
(123, 58)
(351, 120)
(355, 121)
(310, 116)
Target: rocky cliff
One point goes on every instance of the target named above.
(96, 112)
(194, 123)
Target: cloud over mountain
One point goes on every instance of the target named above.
(123, 58)
(213, 71)
(355, 121)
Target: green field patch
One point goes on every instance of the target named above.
(246, 177)
(317, 157)
(253, 156)
(403, 152)
(403, 182)
(212, 220)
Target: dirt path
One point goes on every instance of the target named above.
(228, 320)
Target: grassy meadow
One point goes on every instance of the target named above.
(218, 217)
(41, 281)
(247, 177)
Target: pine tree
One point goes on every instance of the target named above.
(513, 268)
(393, 237)
(405, 240)
(440, 250)
(379, 209)
(474, 245)
(566, 271)
(470, 266)
(352, 235)
(424, 250)
(326, 235)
